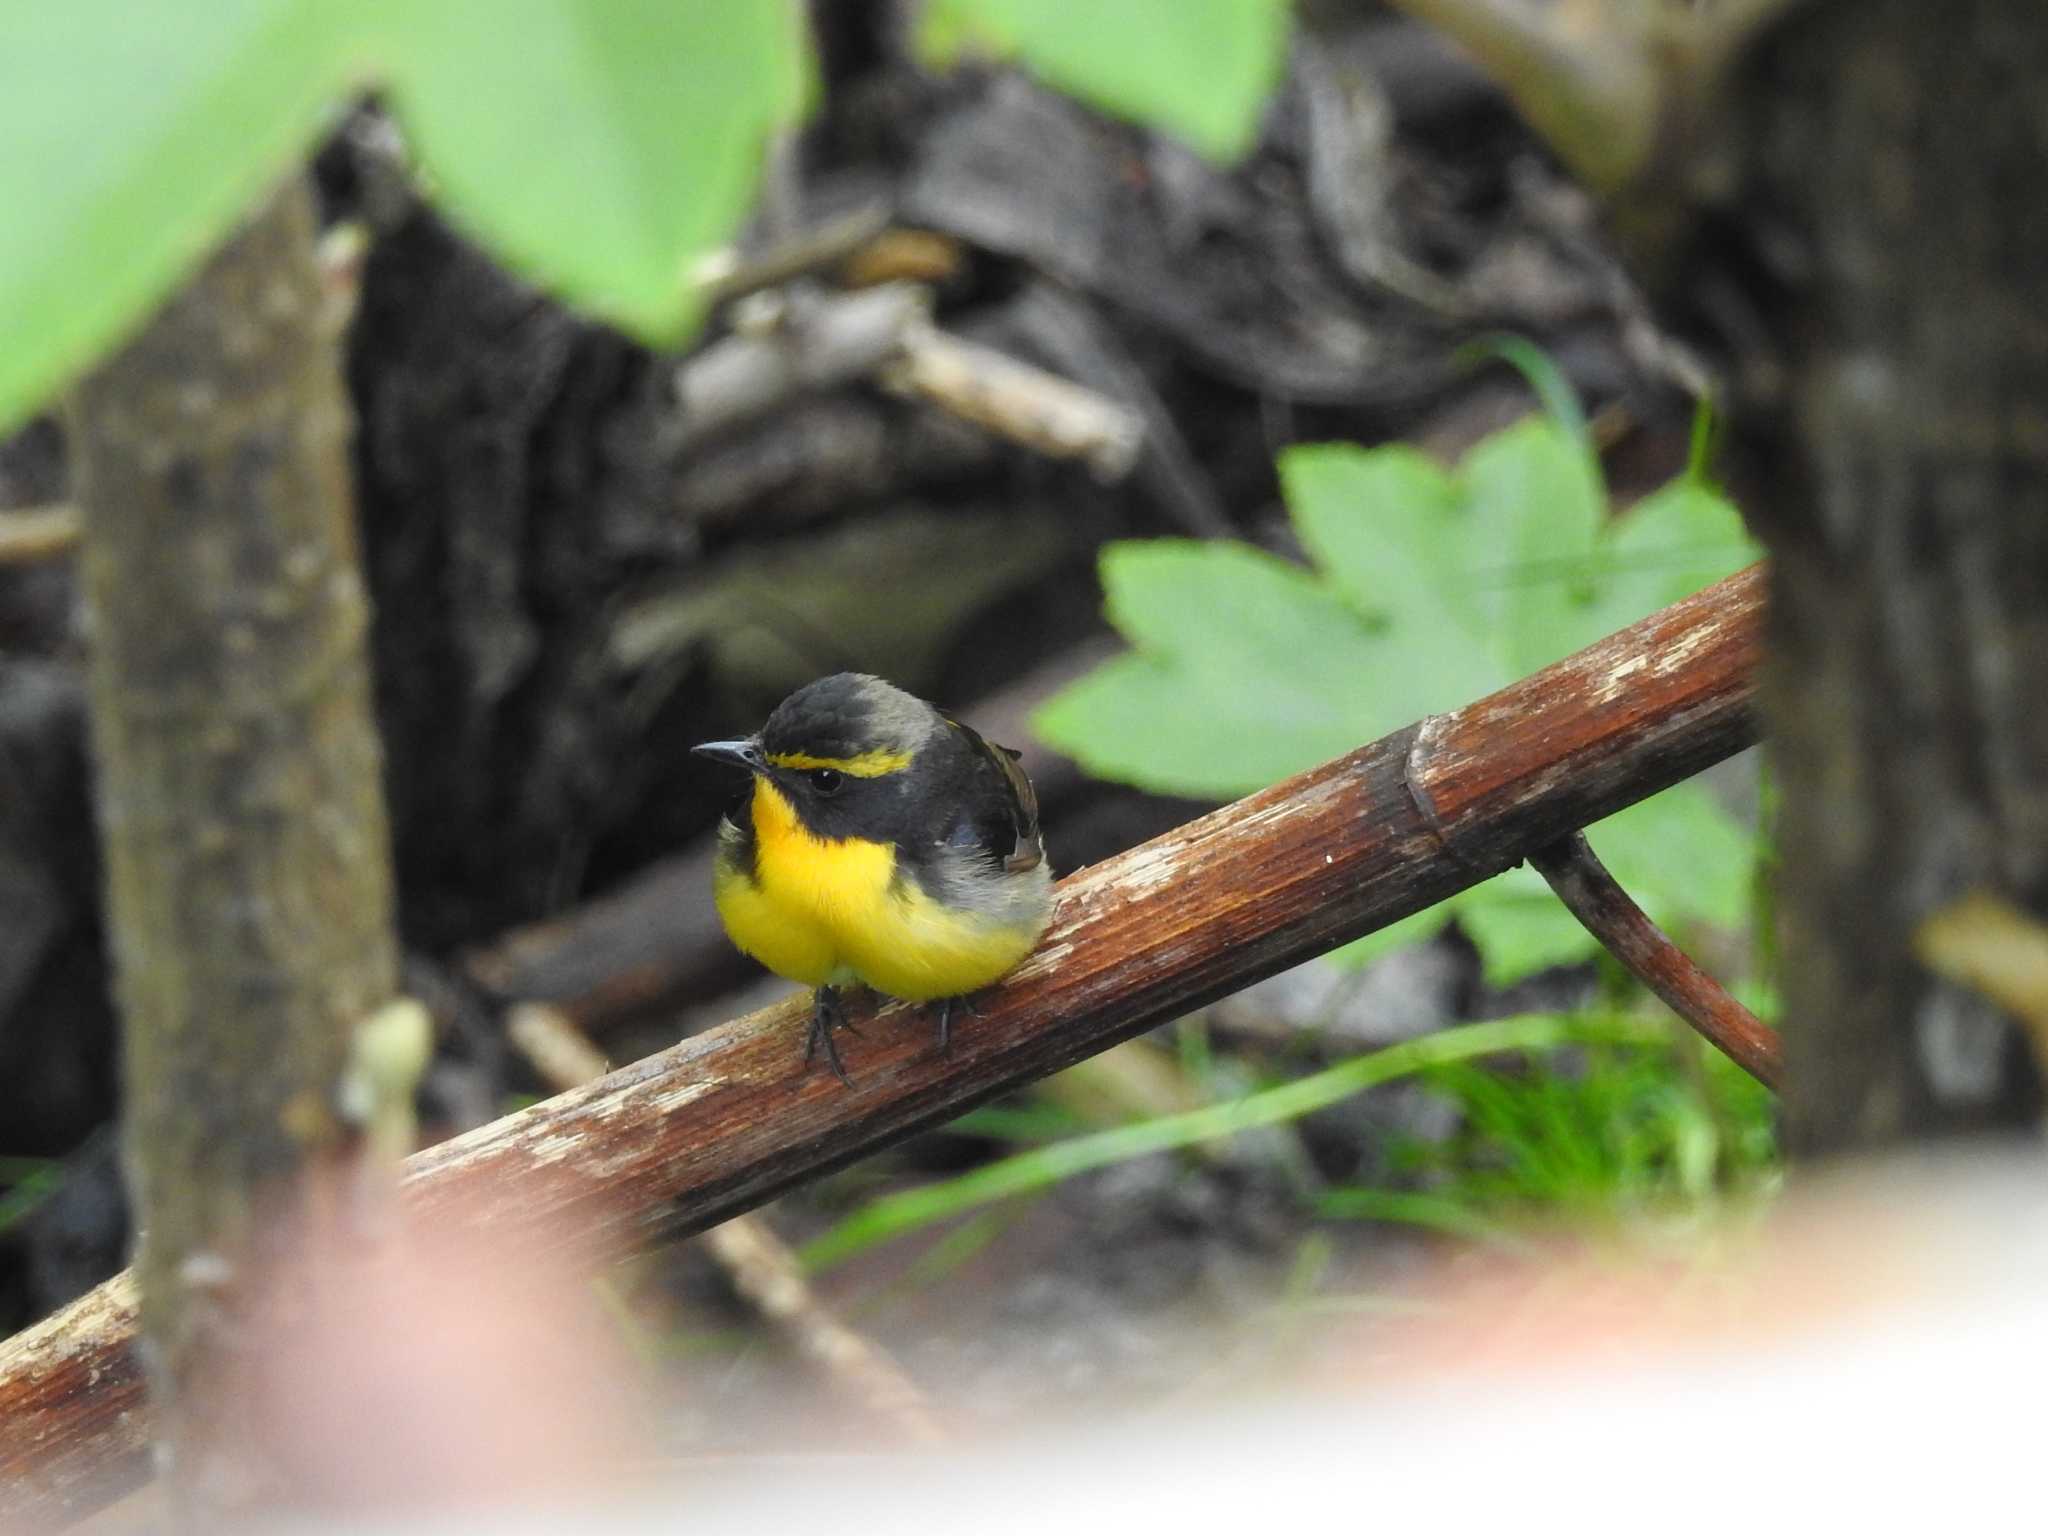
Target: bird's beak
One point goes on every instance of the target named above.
(740, 754)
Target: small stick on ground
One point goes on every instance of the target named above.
(762, 1268)
(785, 350)
(1596, 899)
(1024, 404)
(732, 274)
(30, 535)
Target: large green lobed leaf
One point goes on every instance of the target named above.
(134, 134)
(1430, 588)
(602, 146)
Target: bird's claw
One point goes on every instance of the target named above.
(946, 1005)
(827, 1016)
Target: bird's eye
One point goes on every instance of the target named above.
(826, 781)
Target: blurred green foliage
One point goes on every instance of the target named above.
(601, 146)
(135, 133)
(1201, 69)
(25, 1183)
(1613, 1132)
(604, 148)
(1427, 587)
(1034, 1171)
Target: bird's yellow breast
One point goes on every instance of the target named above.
(821, 910)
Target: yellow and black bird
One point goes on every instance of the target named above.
(882, 843)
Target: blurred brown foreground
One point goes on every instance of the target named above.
(1867, 1348)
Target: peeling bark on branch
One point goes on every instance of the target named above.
(240, 792)
(729, 1118)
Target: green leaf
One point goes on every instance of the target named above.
(1430, 590)
(1534, 511)
(1681, 854)
(1226, 622)
(1520, 927)
(1201, 69)
(1030, 1172)
(1250, 668)
(1552, 389)
(1216, 601)
(1670, 544)
(1143, 719)
(135, 133)
(1349, 502)
(1383, 527)
(602, 146)
(1412, 929)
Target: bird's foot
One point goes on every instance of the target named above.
(827, 1017)
(946, 1005)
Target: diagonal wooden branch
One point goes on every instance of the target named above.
(729, 1118)
(1596, 899)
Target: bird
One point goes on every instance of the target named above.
(883, 842)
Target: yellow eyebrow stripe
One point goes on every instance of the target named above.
(869, 765)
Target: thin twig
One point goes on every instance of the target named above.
(1596, 899)
(554, 1046)
(762, 1268)
(731, 274)
(1072, 336)
(729, 1118)
(30, 535)
(1026, 405)
(886, 333)
(1999, 951)
(826, 343)
(766, 1272)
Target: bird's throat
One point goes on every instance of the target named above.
(832, 880)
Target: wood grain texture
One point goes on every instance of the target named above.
(731, 1117)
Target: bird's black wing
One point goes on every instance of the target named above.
(1001, 813)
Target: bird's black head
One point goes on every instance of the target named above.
(857, 723)
(839, 750)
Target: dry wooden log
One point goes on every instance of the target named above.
(729, 1118)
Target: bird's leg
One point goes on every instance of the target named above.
(946, 1007)
(826, 1017)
